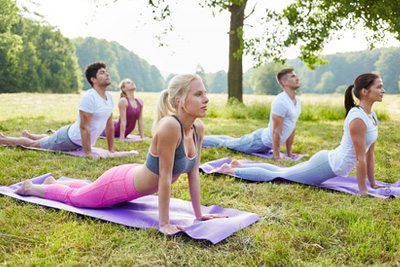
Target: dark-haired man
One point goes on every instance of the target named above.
(95, 115)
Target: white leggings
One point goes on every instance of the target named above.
(314, 171)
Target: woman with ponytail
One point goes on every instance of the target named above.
(130, 111)
(355, 150)
(175, 149)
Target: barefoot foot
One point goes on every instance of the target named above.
(49, 180)
(24, 189)
(226, 169)
(26, 134)
(236, 164)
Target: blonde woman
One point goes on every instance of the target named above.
(130, 111)
(175, 149)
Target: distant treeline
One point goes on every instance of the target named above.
(36, 57)
(336, 75)
(121, 63)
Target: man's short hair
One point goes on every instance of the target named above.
(281, 75)
(91, 70)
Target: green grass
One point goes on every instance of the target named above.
(299, 226)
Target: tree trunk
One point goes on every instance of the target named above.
(235, 72)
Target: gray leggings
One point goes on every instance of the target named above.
(314, 171)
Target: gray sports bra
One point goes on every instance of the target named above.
(182, 164)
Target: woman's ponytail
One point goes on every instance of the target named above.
(348, 99)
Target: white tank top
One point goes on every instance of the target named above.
(343, 159)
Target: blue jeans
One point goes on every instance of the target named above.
(314, 171)
(249, 143)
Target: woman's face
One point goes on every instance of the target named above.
(196, 100)
(129, 85)
(375, 91)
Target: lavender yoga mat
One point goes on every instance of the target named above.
(131, 138)
(143, 213)
(343, 184)
(102, 153)
(270, 155)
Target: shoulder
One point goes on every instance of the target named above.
(140, 101)
(200, 128)
(356, 113)
(88, 97)
(168, 128)
(280, 98)
(123, 102)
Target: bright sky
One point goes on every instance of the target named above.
(198, 37)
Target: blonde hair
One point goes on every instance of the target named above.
(166, 105)
(122, 85)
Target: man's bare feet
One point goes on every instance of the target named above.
(26, 134)
(24, 189)
(236, 164)
(49, 180)
(226, 169)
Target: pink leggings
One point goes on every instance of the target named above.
(113, 186)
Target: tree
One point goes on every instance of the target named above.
(312, 23)
(308, 23)
(263, 79)
(388, 66)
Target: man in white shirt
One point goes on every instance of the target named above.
(285, 110)
(95, 115)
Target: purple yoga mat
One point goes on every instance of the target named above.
(131, 138)
(343, 184)
(143, 213)
(270, 155)
(102, 153)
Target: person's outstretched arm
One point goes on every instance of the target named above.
(357, 132)
(277, 126)
(140, 121)
(167, 139)
(122, 106)
(85, 119)
(110, 134)
(289, 144)
(194, 181)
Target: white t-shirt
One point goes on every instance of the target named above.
(343, 159)
(284, 107)
(100, 108)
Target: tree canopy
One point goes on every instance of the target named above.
(307, 23)
(34, 56)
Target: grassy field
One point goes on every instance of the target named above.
(299, 226)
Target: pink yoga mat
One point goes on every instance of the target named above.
(143, 213)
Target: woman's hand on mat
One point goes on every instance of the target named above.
(205, 217)
(169, 229)
(91, 156)
(376, 186)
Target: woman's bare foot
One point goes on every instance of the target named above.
(236, 164)
(24, 189)
(2, 135)
(226, 169)
(49, 180)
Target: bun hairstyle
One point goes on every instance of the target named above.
(167, 104)
(362, 81)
